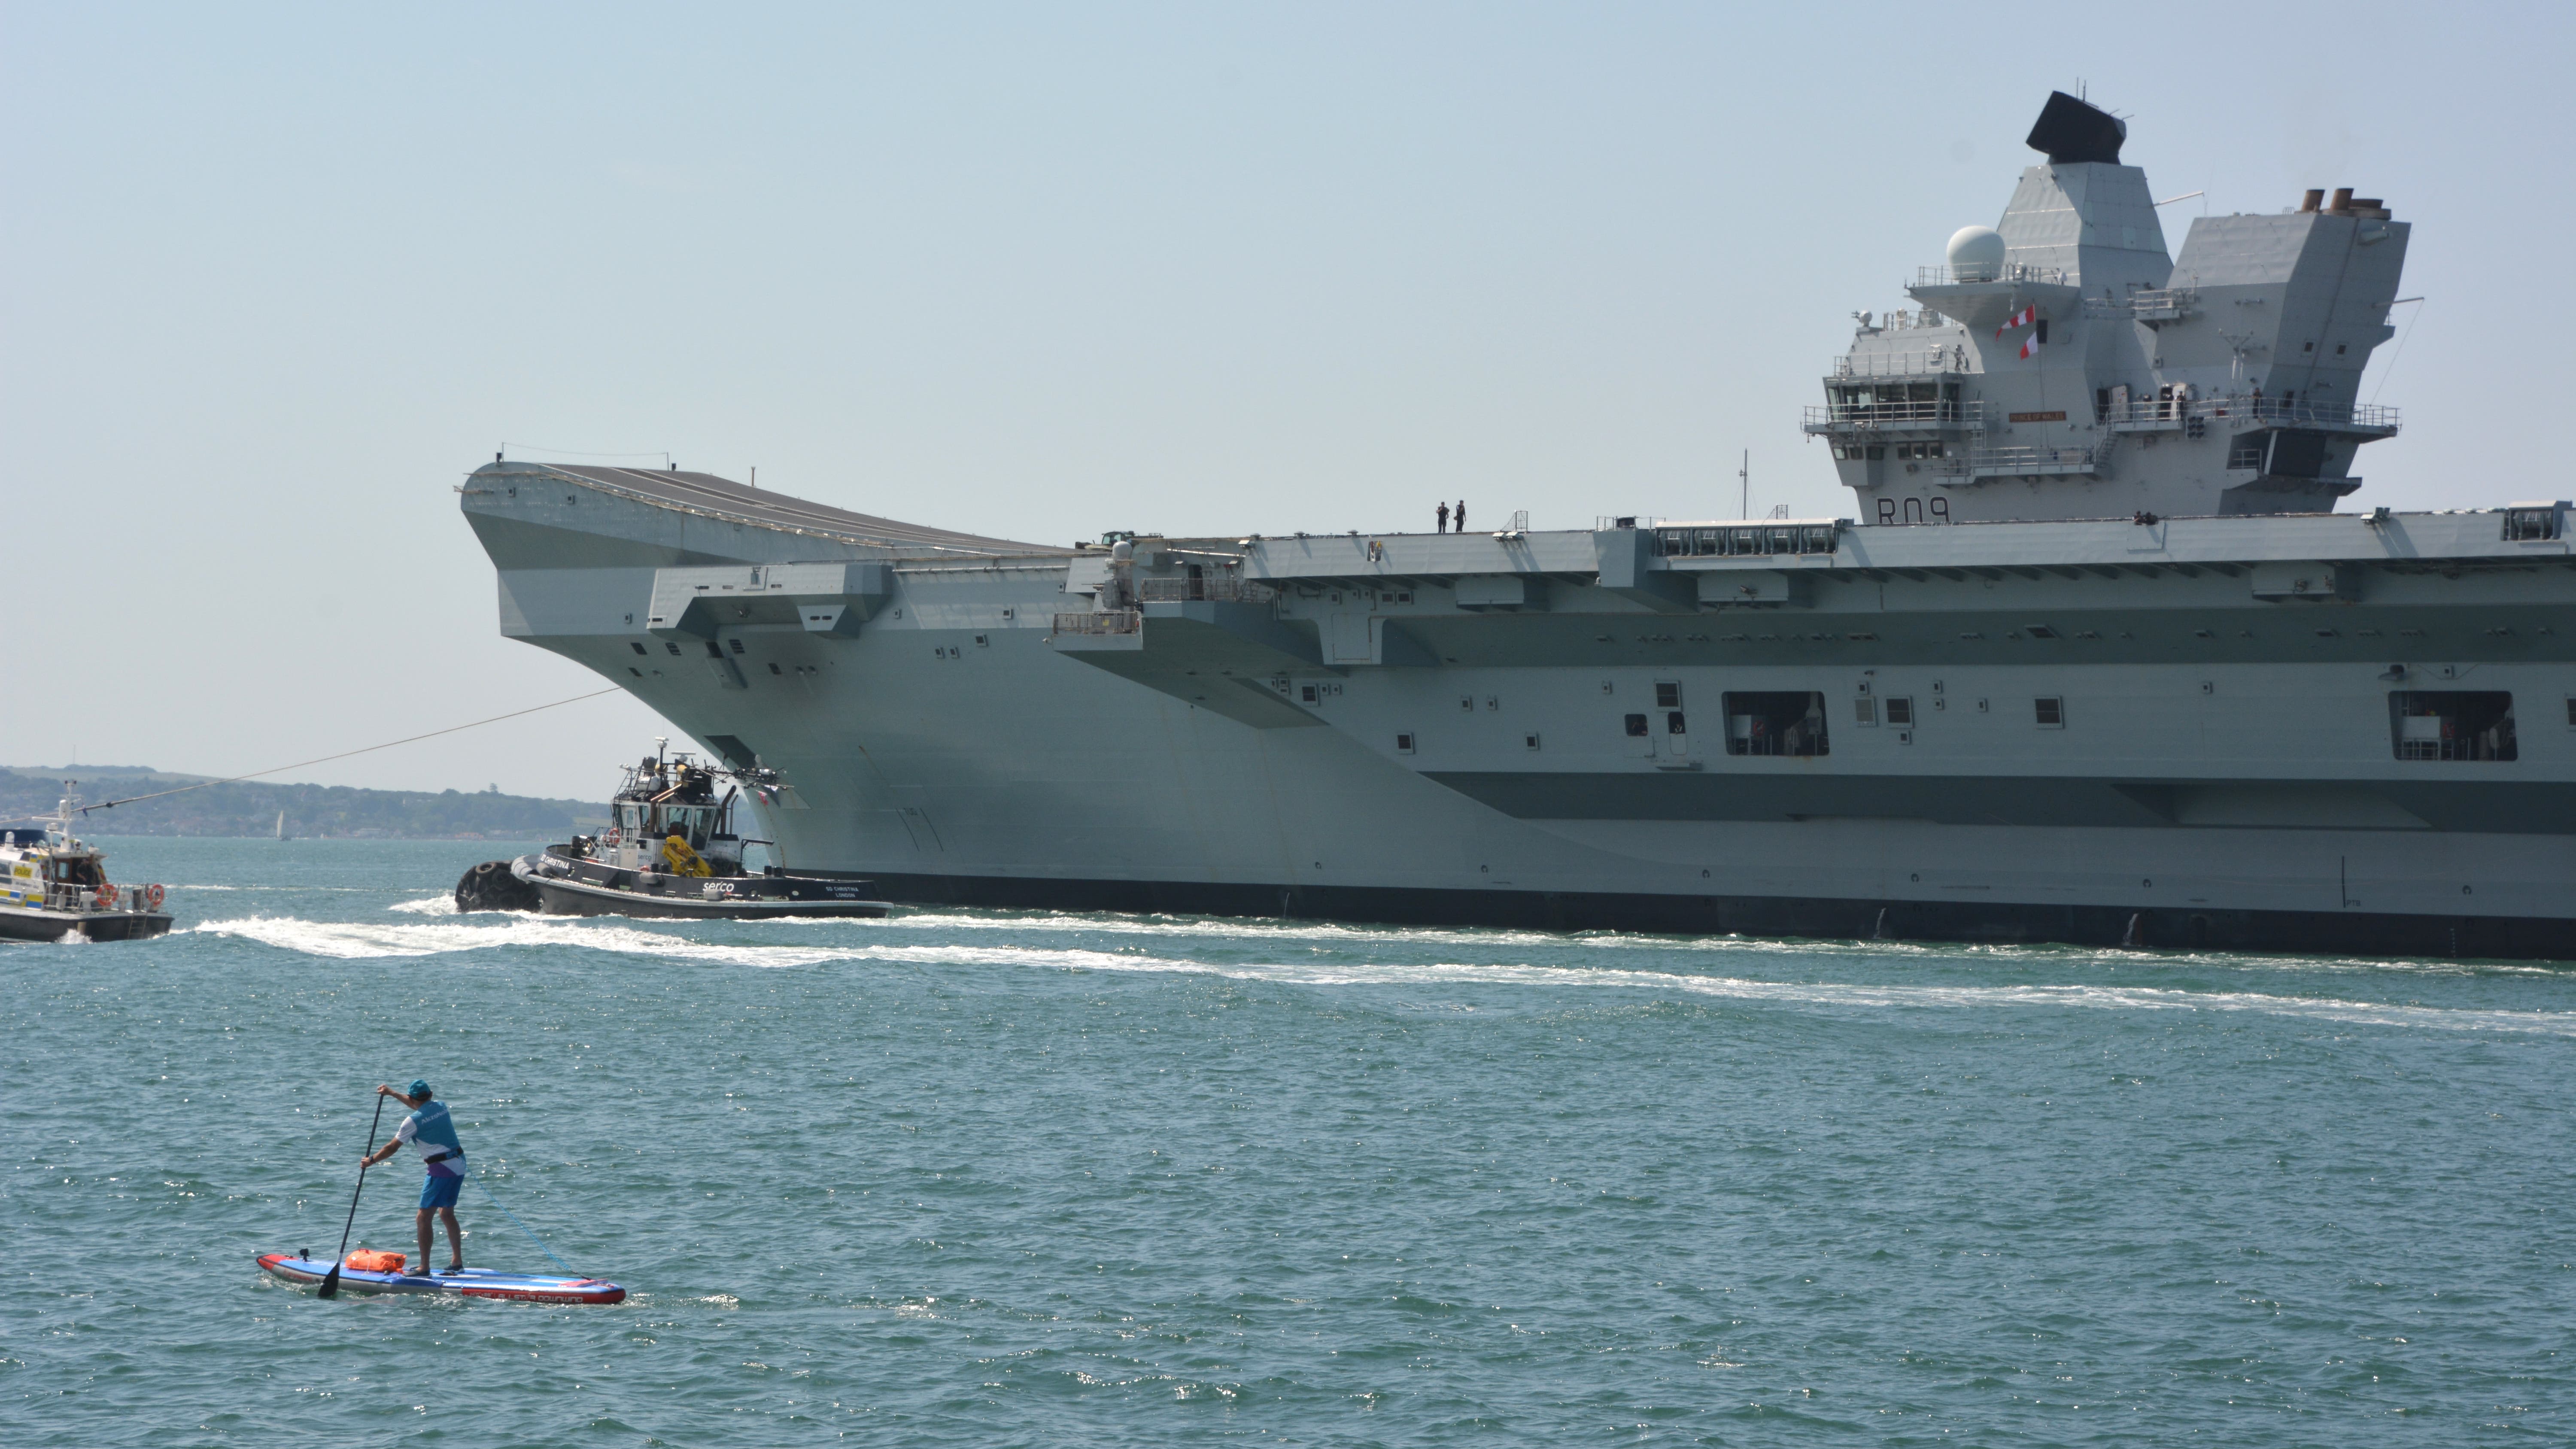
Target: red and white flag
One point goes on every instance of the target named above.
(2030, 345)
(2022, 318)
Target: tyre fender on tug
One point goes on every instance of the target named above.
(491, 887)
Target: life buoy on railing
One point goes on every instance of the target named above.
(610, 836)
(105, 900)
(153, 895)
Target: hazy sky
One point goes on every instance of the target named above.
(272, 280)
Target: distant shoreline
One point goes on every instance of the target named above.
(202, 808)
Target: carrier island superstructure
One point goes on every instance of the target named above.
(2096, 661)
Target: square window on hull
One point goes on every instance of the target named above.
(2452, 724)
(1776, 722)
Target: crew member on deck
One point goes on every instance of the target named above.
(1443, 514)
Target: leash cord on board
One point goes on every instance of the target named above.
(531, 1232)
(344, 754)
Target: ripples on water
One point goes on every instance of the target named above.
(1032, 1178)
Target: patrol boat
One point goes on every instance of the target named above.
(671, 850)
(53, 885)
(2096, 661)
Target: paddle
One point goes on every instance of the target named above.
(331, 1280)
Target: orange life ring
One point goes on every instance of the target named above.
(610, 836)
(153, 895)
(105, 900)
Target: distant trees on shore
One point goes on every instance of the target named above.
(250, 808)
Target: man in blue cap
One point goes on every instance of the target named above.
(429, 1129)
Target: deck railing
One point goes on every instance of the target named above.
(2030, 462)
(2263, 411)
(1905, 362)
(1966, 414)
(2008, 272)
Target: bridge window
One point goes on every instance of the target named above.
(1775, 722)
(2530, 525)
(2451, 724)
(1750, 540)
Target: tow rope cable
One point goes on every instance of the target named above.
(345, 754)
(532, 1236)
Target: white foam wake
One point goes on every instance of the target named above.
(361, 940)
(358, 940)
(2357, 1013)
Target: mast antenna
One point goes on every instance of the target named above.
(1744, 476)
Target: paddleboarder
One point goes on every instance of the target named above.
(429, 1129)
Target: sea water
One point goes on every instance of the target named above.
(1023, 1178)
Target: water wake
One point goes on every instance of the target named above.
(488, 931)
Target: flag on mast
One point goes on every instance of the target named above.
(2022, 318)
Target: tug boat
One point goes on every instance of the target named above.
(52, 886)
(671, 850)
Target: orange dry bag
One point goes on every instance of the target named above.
(376, 1260)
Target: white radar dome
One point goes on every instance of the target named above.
(1976, 254)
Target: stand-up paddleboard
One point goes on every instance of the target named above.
(463, 1283)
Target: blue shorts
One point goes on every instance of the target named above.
(439, 1192)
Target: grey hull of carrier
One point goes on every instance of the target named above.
(2095, 664)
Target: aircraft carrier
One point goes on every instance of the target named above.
(2095, 662)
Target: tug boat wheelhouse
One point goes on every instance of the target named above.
(53, 885)
(672, 850)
